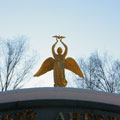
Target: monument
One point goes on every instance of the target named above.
(59, 102)
(58, 64)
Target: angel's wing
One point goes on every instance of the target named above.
(71, 65)
(46, 66)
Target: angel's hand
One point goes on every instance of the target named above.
(56, 42)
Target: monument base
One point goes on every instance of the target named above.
(58, 104)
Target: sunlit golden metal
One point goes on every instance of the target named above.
(58, 65)
(59, 37)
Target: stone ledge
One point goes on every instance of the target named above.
(59, 93)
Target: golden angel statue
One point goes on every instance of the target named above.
(58, 65)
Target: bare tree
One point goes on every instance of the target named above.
(15, 64)
(101, 73)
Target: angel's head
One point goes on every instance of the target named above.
(59, 51)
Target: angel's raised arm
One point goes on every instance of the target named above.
(66, 49)
(53, 49)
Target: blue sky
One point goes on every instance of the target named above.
(88, 25)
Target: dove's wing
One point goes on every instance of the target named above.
(46, 66)
(72, 65)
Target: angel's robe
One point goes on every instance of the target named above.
(59, 72)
